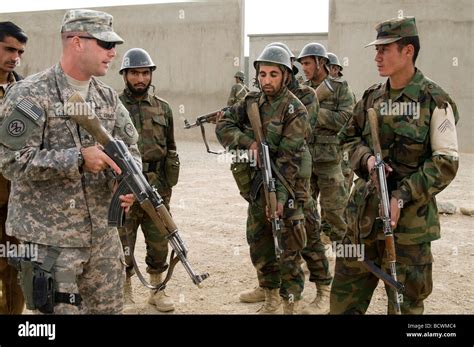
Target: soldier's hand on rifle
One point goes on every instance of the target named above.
(127, 201)
(219, 115)
(394, 212)
(95, 160)
(371, 169)
(279, 211)
(253, 152)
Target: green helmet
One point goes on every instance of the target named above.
(276, 55)
(240, 74)
(313, 49)
(334, 60)
(136, 58)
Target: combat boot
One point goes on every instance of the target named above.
(252, 295)
(272, 304)
(160, 299)
(291, 307)
(128, 302)
(320, 305)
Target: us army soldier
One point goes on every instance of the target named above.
(62, 182)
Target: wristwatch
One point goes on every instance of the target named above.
(80, 158)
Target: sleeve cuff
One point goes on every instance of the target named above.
(402, 194)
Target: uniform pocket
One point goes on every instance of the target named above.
(172, 165)
(242, 176)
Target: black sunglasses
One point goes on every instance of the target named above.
(104, 44)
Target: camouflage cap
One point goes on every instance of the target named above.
(95, 23)
(393, 30)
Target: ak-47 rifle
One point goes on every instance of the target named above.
(132, 180)
(200, 121)
(269, 185)
(384, 206)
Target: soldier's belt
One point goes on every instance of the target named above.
(326, 139)
(152, 166)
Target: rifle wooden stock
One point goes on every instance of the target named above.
(324, 90)
(89, 121)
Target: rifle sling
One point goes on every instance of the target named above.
(160, 286)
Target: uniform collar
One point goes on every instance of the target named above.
(412, 90)
(281, 94)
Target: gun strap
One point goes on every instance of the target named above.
(157, 287)
(380, 274)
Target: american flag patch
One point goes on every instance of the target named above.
(30, 110)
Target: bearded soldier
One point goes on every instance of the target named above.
(153, 119)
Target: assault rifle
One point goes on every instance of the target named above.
(200, 121)
(132, 180)
(269, 186)
(384, 206)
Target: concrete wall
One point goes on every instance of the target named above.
(296, 42)
(196, 46)
(447, 47)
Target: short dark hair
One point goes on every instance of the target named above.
(10, 29)
(410, 40)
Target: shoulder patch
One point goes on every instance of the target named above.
(30, 110)
(20, 123)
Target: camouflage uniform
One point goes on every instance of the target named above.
(54, 204)
(327, 180)
(314, 253)
(284, 121)
(153, 120)
(420, 172)
(11, 301)
(237, 93)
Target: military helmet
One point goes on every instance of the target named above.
(334, 60)
(276, 55)
(313, 49)
(136, 58)
(240, 74)
(284, 46)
(288, 50)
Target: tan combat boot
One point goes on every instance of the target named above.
(160, 299)
(252, 295)
(291, 307)
(128, 302)
(272, 304)
(320, 305)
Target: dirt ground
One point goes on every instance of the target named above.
(211, 217)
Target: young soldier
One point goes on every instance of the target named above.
(419, 146)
